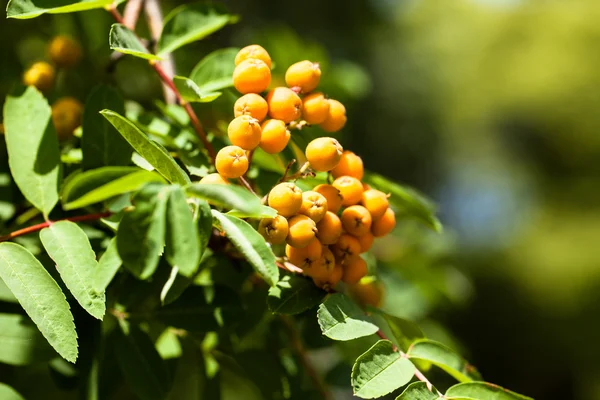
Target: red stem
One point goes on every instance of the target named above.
(39, 227)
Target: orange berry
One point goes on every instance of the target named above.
(346, 248)
(314, 205)
(332, 195)
(376, 202)
(251, 104)
(324, 266)
(284, 104)
(336, 117)
(334, 277)
(64, 51)
(385, 224)
(231, 162)
(315, 108)
(329, 228)
(40, 75)
(356, 220)
(324, 153)
(350, 188)
(304, 74)
(275, 136)
(366, 241)
(66, 116)
(245, 132)
(274, 230)
(286, 198)
(305, 257)
(214, 178)
(350, 164)
(251, 76)
(253, 51)
(354, 271)
(367, 293)
(366, 187)
(302, 231)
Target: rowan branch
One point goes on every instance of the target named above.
(132, 13)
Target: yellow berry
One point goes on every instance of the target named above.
(350, 164)
(329, 228)
(336, 117)
(334, 277)
(376, 202)
(356, 220)
(284, 104)
(314, 205)
(253, 51)
(231, 162)
(251, 76)
(324, 266)
(275, 136)
(332, 195)
(302, 231)
(305, 257)
(315, 108)
(385, 224)
(274, 230)
(245, 132)
(350, 188)
(64, 51)
(286, 198)
(324, 153)
(66, 116)
(304, 74)
(251, 104)
(214, 179)
(366, 241)
(367, 293)
(346, 248)
(40, 75)
(354, 271)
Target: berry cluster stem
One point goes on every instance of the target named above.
(168, 81)
(39, 227)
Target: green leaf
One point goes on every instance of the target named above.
(125, 41)
(143, 369)
(404, 331)
(227, 196)
(418, 391)
(141, 234)
(101, 184)
(482, 391)
(341, 319)
(182, 242)
(265, 212)
(294, 294)
(23, 9)
(69, 247)
(32, 145)
(155, 154)
(8, 393)
(191, 22)
(108, 265)
(203, 218)
(192, 93)
(407, 200)
(445, 358)
(21, 343)
(214, 72)
(40, 296)
(380, 370)
(251, 244)
(202, 309)
(101, 144)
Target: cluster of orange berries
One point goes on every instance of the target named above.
(64, 52)
(327, 228)
(283, 105)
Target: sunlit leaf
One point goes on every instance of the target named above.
(23, 9)
(8, 393)
(125, 41)
(191, 92)
(418, 391)
(182, 242)
(214, 72)
(380, 370)
(21, 343)
(265, 212)
(108, 265)
(294, 294)
(227, 196)
(40, 296)
(341, 319)
(482, 391)
(445, 358)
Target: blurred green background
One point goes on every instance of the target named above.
(491, 107)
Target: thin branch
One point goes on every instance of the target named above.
(39, 227)
(132, 13)
(296, 342)
(246, 184)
